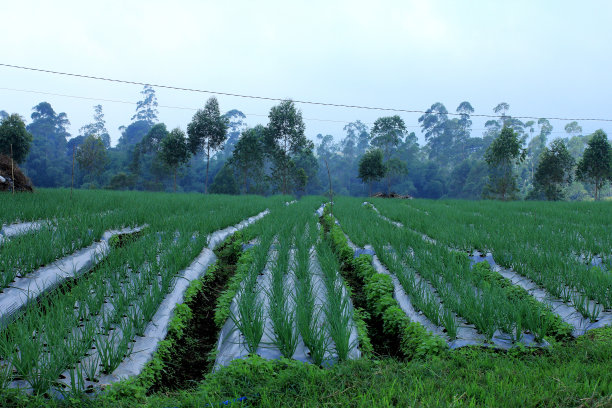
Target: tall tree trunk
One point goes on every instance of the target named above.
(175, 179)
(285, 172)
(596, 189)
(207, 164)
(388, 185)
(370, 188)
(286, 175)
(245, 181)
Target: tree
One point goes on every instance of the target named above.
(576, 142)
(248, 155)
(573, 129)
(327, 148)
(207, 132)
(502, 108)
(285, 138)
(146, 110)
(595, 167)
(371, 167)
(97, 127)
(225, 182)
(91, 155)
(395, 167)
(501, 156)
(236, 125)
(387, 133)
(301, 179)
(554, 170)
(48, 164)
(152, 141)
(433, 121)
(3, 115)
(13, 133)
(464, 124)
(537, 145)
(174, 151)
(357, 139)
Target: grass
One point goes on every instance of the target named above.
(568, 375)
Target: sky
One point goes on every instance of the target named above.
(544, 58)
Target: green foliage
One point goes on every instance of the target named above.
(47, 164)
(207, 132)
(225, 182)
(13, 133)
(174, 151)
(388, 132)
(91, 155)
(146, 110)
(378, 289)
(554, 170)
(222, 312)
(501, 156)
(365, 345)
(97, 128)
(248, 155)
(285, 139)
(595, 167)
(371, 167)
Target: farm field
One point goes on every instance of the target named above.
(187, 300)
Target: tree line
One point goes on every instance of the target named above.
(218, 153)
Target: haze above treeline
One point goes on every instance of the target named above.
(543, 59)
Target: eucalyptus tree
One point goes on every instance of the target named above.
(248, 155)
(146, 109)
(576, 142)
(502, 108)
(387, 134)
(97, 127)
(464, 125)
(207, 132)
(595, 167)
(502, 155)
(555, 170)
(536, 146)
(285, 138)
(48, 164)
(235, 126)
(146, 160)
(91, 155)
(142, 121)
(357, 139)
(174, 151)
(433, 121)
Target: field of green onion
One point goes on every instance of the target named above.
(483, 274)
(86, 326)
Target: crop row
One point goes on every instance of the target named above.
(441, 283)
(540, 251)
(87, 326)
(291, 300)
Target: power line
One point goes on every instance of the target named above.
(195, 109)
(336, 105)
(161, 106)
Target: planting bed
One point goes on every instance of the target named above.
(116, 298)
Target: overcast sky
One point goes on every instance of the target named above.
(545, 58)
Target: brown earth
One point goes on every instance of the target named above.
(22, 183)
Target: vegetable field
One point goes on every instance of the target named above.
(166, 289)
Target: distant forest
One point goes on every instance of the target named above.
(278, 158)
